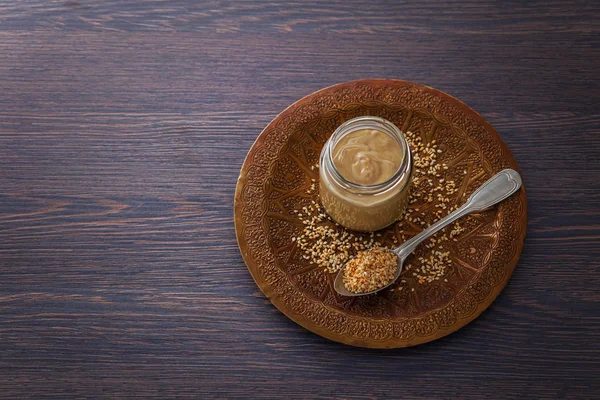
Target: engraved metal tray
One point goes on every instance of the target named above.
(277, 173)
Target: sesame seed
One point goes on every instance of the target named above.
(325, 243)
(370, 270)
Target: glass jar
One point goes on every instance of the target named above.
(364, 207)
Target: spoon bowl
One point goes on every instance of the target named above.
(340, 287)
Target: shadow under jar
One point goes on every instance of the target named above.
(365, 173)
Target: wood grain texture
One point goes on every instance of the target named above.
(122, 130)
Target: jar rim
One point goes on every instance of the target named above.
(368, 122)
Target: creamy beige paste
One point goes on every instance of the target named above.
(367, 157)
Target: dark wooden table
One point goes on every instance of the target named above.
(122, 131)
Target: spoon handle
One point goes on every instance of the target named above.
(496, 189)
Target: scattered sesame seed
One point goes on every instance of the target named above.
(326, 244)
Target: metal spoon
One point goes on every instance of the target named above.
(495, 190)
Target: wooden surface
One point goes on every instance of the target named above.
(122, 130)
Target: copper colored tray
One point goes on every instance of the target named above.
(273, 183)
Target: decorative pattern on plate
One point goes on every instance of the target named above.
(276, 175)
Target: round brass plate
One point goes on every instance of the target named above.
(277, 173)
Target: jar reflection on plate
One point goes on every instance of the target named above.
(365, 172)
